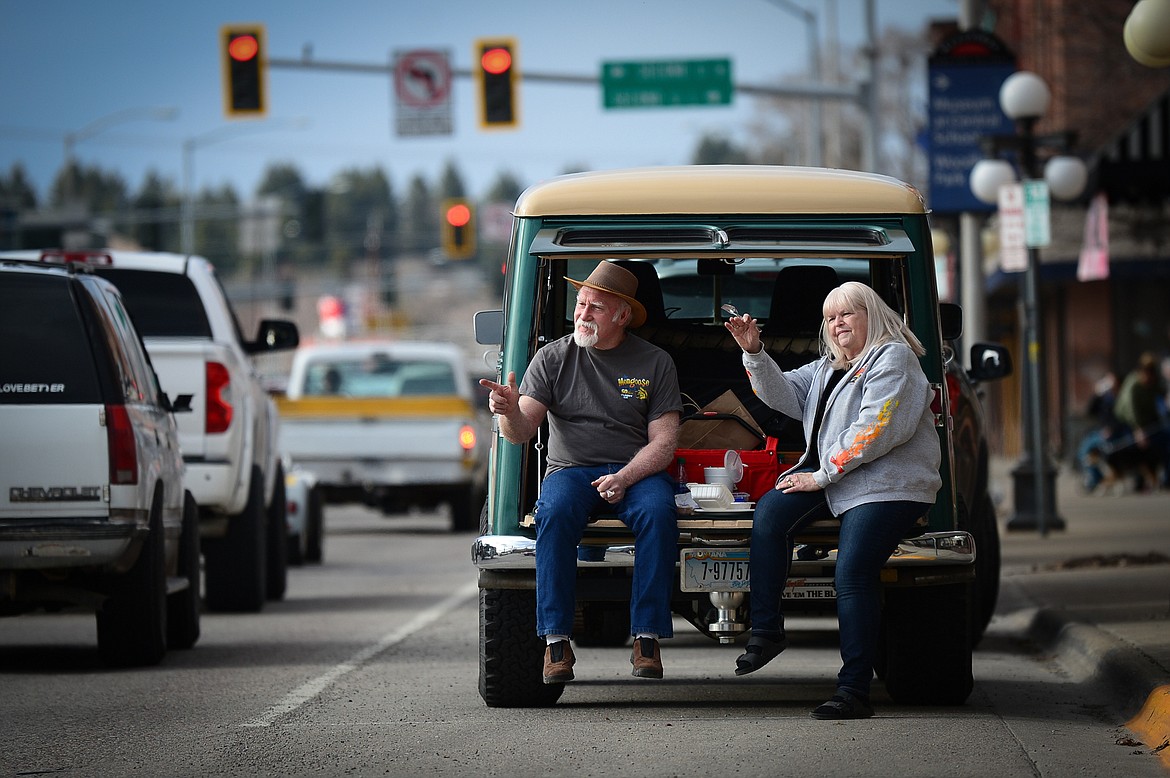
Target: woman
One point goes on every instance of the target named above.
(872, 460)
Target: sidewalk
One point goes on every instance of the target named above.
(1097, 594)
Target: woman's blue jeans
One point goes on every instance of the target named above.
(869, 535)
(567, 501)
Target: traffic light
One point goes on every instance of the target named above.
(496, 78)
(458, 225)
(245, 70)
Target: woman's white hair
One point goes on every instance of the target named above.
(884, 323)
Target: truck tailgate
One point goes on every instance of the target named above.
(181, 367)
(408, 428)
(48, 467)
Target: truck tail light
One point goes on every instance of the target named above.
(467, 437)
(219, 398)
(78, 257)
(123, 449)
(936, 404)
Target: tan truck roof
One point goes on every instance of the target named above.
(719, 189)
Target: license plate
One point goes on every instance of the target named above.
(715, 570)
(727, 570)
(810, 589)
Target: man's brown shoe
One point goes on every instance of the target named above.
(646, 659)
(558, 662)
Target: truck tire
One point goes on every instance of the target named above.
(465, 509)
(183, 606)
(926, 632)
(511, 655)
(315, 526)
(277, 539)
(985, 530)
(132, 622)
(237, 580)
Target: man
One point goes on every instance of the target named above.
(1137, 408)
(612, 403)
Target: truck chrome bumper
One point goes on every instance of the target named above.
(517, 552)
(54, 546)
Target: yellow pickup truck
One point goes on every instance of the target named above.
(389, 424)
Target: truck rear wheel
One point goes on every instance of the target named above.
(985, 530)
(183, 606)
(237, 580)
(277, 539)
(926, 651)
(315, 526)
(511, 655)
(465, 508)
(132, 622)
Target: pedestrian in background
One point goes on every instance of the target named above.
(1137, 407)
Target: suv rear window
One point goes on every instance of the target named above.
(162, 304)
(45, 357)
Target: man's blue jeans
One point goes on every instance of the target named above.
(567, 501)
(869, 535)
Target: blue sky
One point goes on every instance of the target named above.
(69, 63)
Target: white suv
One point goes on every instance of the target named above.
(92, 506)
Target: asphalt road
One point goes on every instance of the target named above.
(369, 667)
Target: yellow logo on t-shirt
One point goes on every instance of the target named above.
(634, 388)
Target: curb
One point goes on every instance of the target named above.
(1137, 687)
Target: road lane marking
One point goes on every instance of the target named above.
(310, 689)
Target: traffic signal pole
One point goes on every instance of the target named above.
(856, 94)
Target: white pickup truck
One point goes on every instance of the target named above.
(229, 438)
(390, 424)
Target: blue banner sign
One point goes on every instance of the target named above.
(965, 74)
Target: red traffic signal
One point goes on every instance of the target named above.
(496, 80)
(496, 61)
(458, 214)
(457, 228)
(244, 70)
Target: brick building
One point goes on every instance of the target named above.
(1119, 111)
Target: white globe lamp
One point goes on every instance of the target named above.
(1024, 95)
(987, 176)
(1147, 33)
(1066, 177)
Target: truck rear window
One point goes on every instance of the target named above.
(45, 353)
(162, 304)
(379, 376)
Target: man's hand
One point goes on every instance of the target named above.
(503, 398)
(520, 416)
(610, 488)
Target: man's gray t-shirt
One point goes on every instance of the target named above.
(600, 401)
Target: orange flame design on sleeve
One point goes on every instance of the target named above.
(865, 437)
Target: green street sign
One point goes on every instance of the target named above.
(1037, 219)
(666, 83)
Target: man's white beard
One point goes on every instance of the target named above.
(585, 340)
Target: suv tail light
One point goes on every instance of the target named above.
(219, 395)
(123, 449)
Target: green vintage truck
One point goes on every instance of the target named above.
(771, 241)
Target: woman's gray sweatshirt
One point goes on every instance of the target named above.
(877, 439)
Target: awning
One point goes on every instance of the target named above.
(1120, 269)
(1134, 167)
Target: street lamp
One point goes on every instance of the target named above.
(816, 154)
(187, 231)
(103, 123)
(1024, 98)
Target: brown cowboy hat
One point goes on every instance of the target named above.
(608, 277)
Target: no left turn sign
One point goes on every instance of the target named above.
(422, 89)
